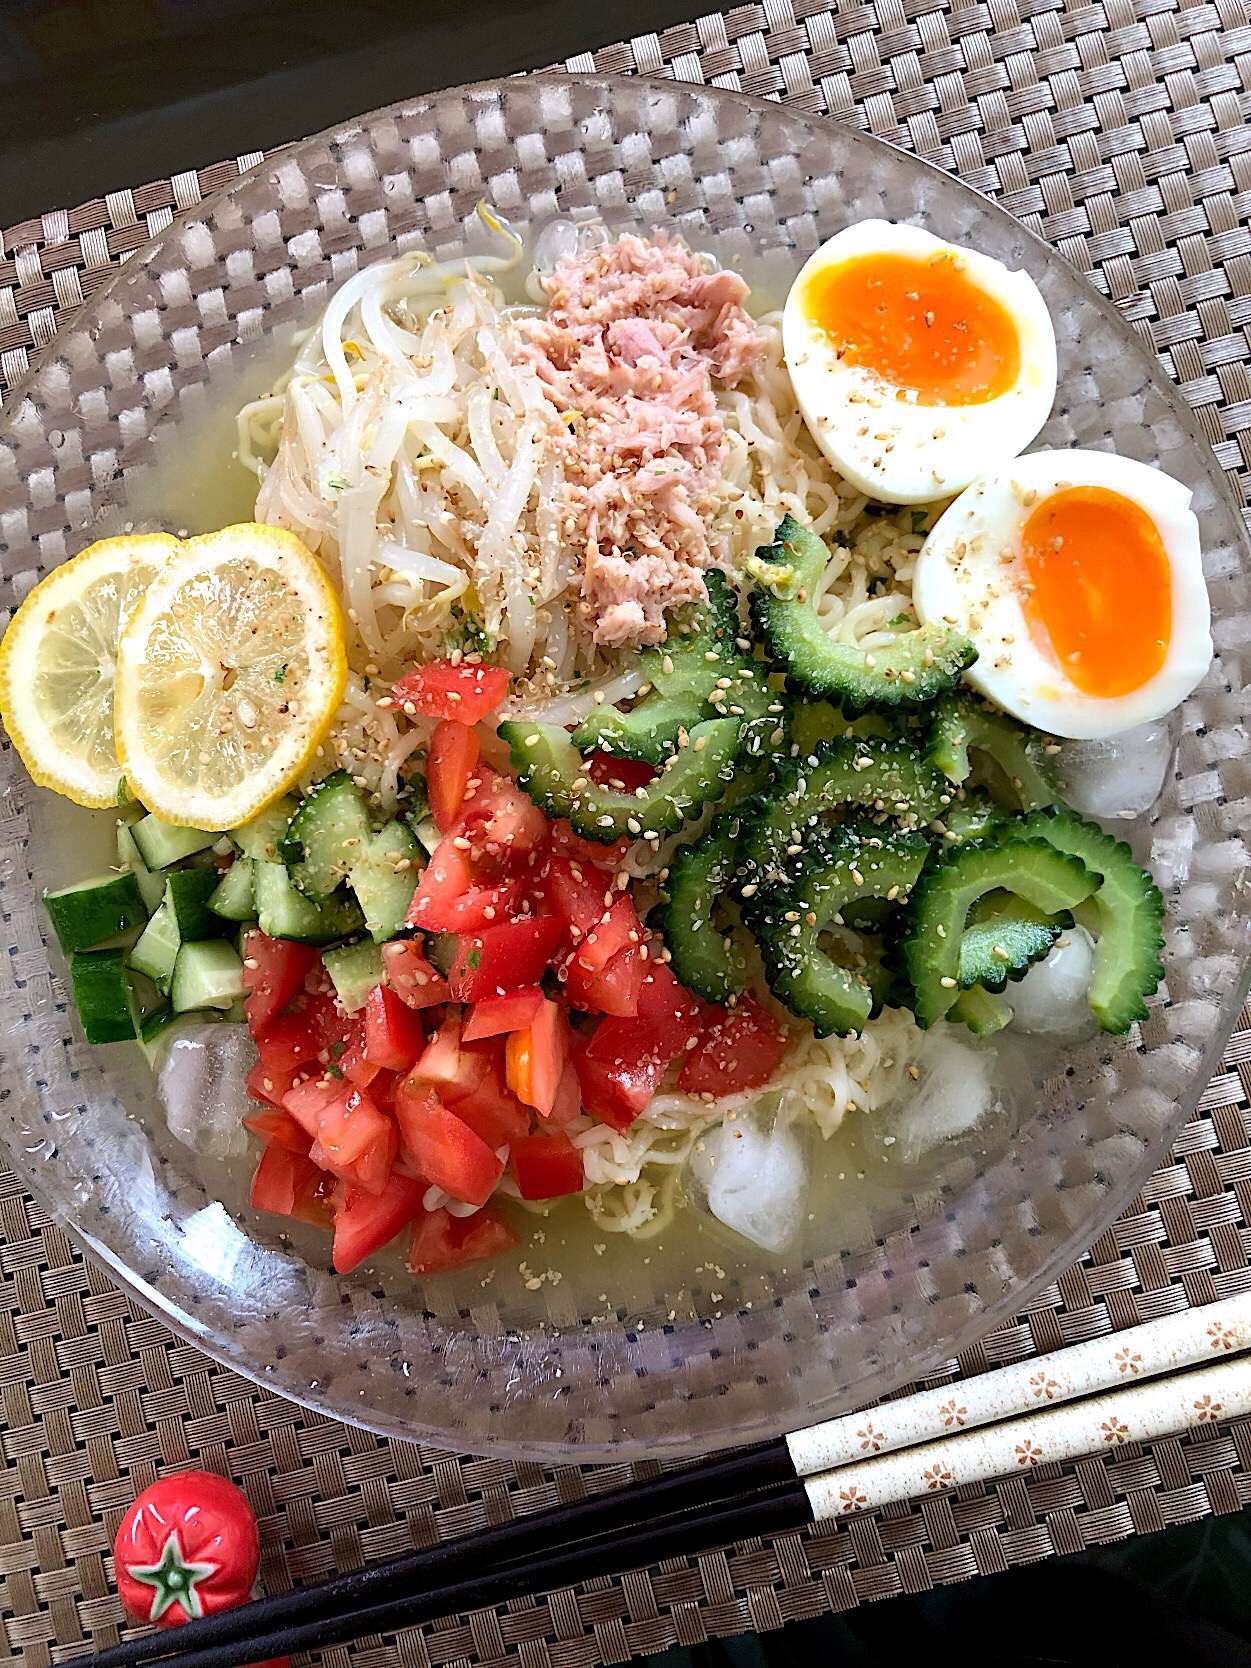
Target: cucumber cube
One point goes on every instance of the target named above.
(86, 914)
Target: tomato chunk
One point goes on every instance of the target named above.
(365, 1222)
(536, 1058)
(441, 1242)
(618, 989)
(308, 1100)
(500, 821)
(355, 1063)
(546, 1166)
(274, 969)
(288, 1184)
(277, 1128)
(564, 839)
(414, 980)
(616, 1090)
(442, 1146)
(494, 1015)
(393, 1034)
(606, 770)
(439, 1066)
(444, 689)
(267, 1085)
(618, 929)
(498, 959)
(576, 892)
(737, 1050)
(490, 1108)
(355, 1141)
(453, 754)
(450, 898)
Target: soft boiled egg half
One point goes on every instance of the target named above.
(1078, 577)
(917, 364)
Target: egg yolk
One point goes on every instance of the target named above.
(920, 325)
(1101, 588)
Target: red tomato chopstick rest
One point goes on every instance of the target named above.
(188, 1547)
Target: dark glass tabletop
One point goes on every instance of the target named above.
(97, 95)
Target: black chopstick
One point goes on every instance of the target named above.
(785, 1507)
(463, 1566)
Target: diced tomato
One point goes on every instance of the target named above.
(440, 1241)
(568, 1103)
(536, 1058)
(618, 988)
(576, 891)
(606, 770)
(449, 897)
(274, 969)
(490, 1108)
(500, 821)
(546, 1166)
(617, 1090)
(290, 1043)
(737, 1050)
(443, 689)
(453, 754)
(308, 1100)
(365, 1222)
(668, 1005)
(442, 1146)
(277, 1128)
(573, 845)
(355, 1063)
(618, 929)
(414, 980)
(358, 1142)
(393, 1034)
(267, 1085)
(493, 1015)
(498, 959)
(439, 1064)
(288, 1184)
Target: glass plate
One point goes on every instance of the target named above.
(657, 1352)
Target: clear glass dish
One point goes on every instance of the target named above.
(663, 1348)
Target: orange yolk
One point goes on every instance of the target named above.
(1102, 593)
(919, 325)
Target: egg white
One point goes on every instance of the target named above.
(971, 567)
(885, 443)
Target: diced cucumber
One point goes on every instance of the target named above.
(154, 1031)
(156, 950)
(355, 970)
(102, 995)
(92, 910)
(326, 833)
(151, 887)
(283, 912)
(262, 838)
(427, 832)
(206, 975)
(161, 843)
(384, 876)
(234, 899)
(441, 949)
(187, 892)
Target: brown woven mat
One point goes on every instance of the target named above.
(1117, 131)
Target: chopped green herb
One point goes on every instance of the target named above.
(337, 483)
(920, 521)
(337, 1048)
(473, 959)
(900, 620)
(281, 674)
(333, 1071)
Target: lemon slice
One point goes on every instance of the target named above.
(57, 665)
(228, 676)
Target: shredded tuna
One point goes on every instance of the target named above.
(634, 335)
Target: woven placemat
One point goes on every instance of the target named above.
(1118, 132)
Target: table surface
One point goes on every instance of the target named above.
(1118, 131)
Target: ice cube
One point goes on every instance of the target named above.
(755, 1179)
(953, 1094)
(1118, 776)
(202, 1086)
(1054, 996)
